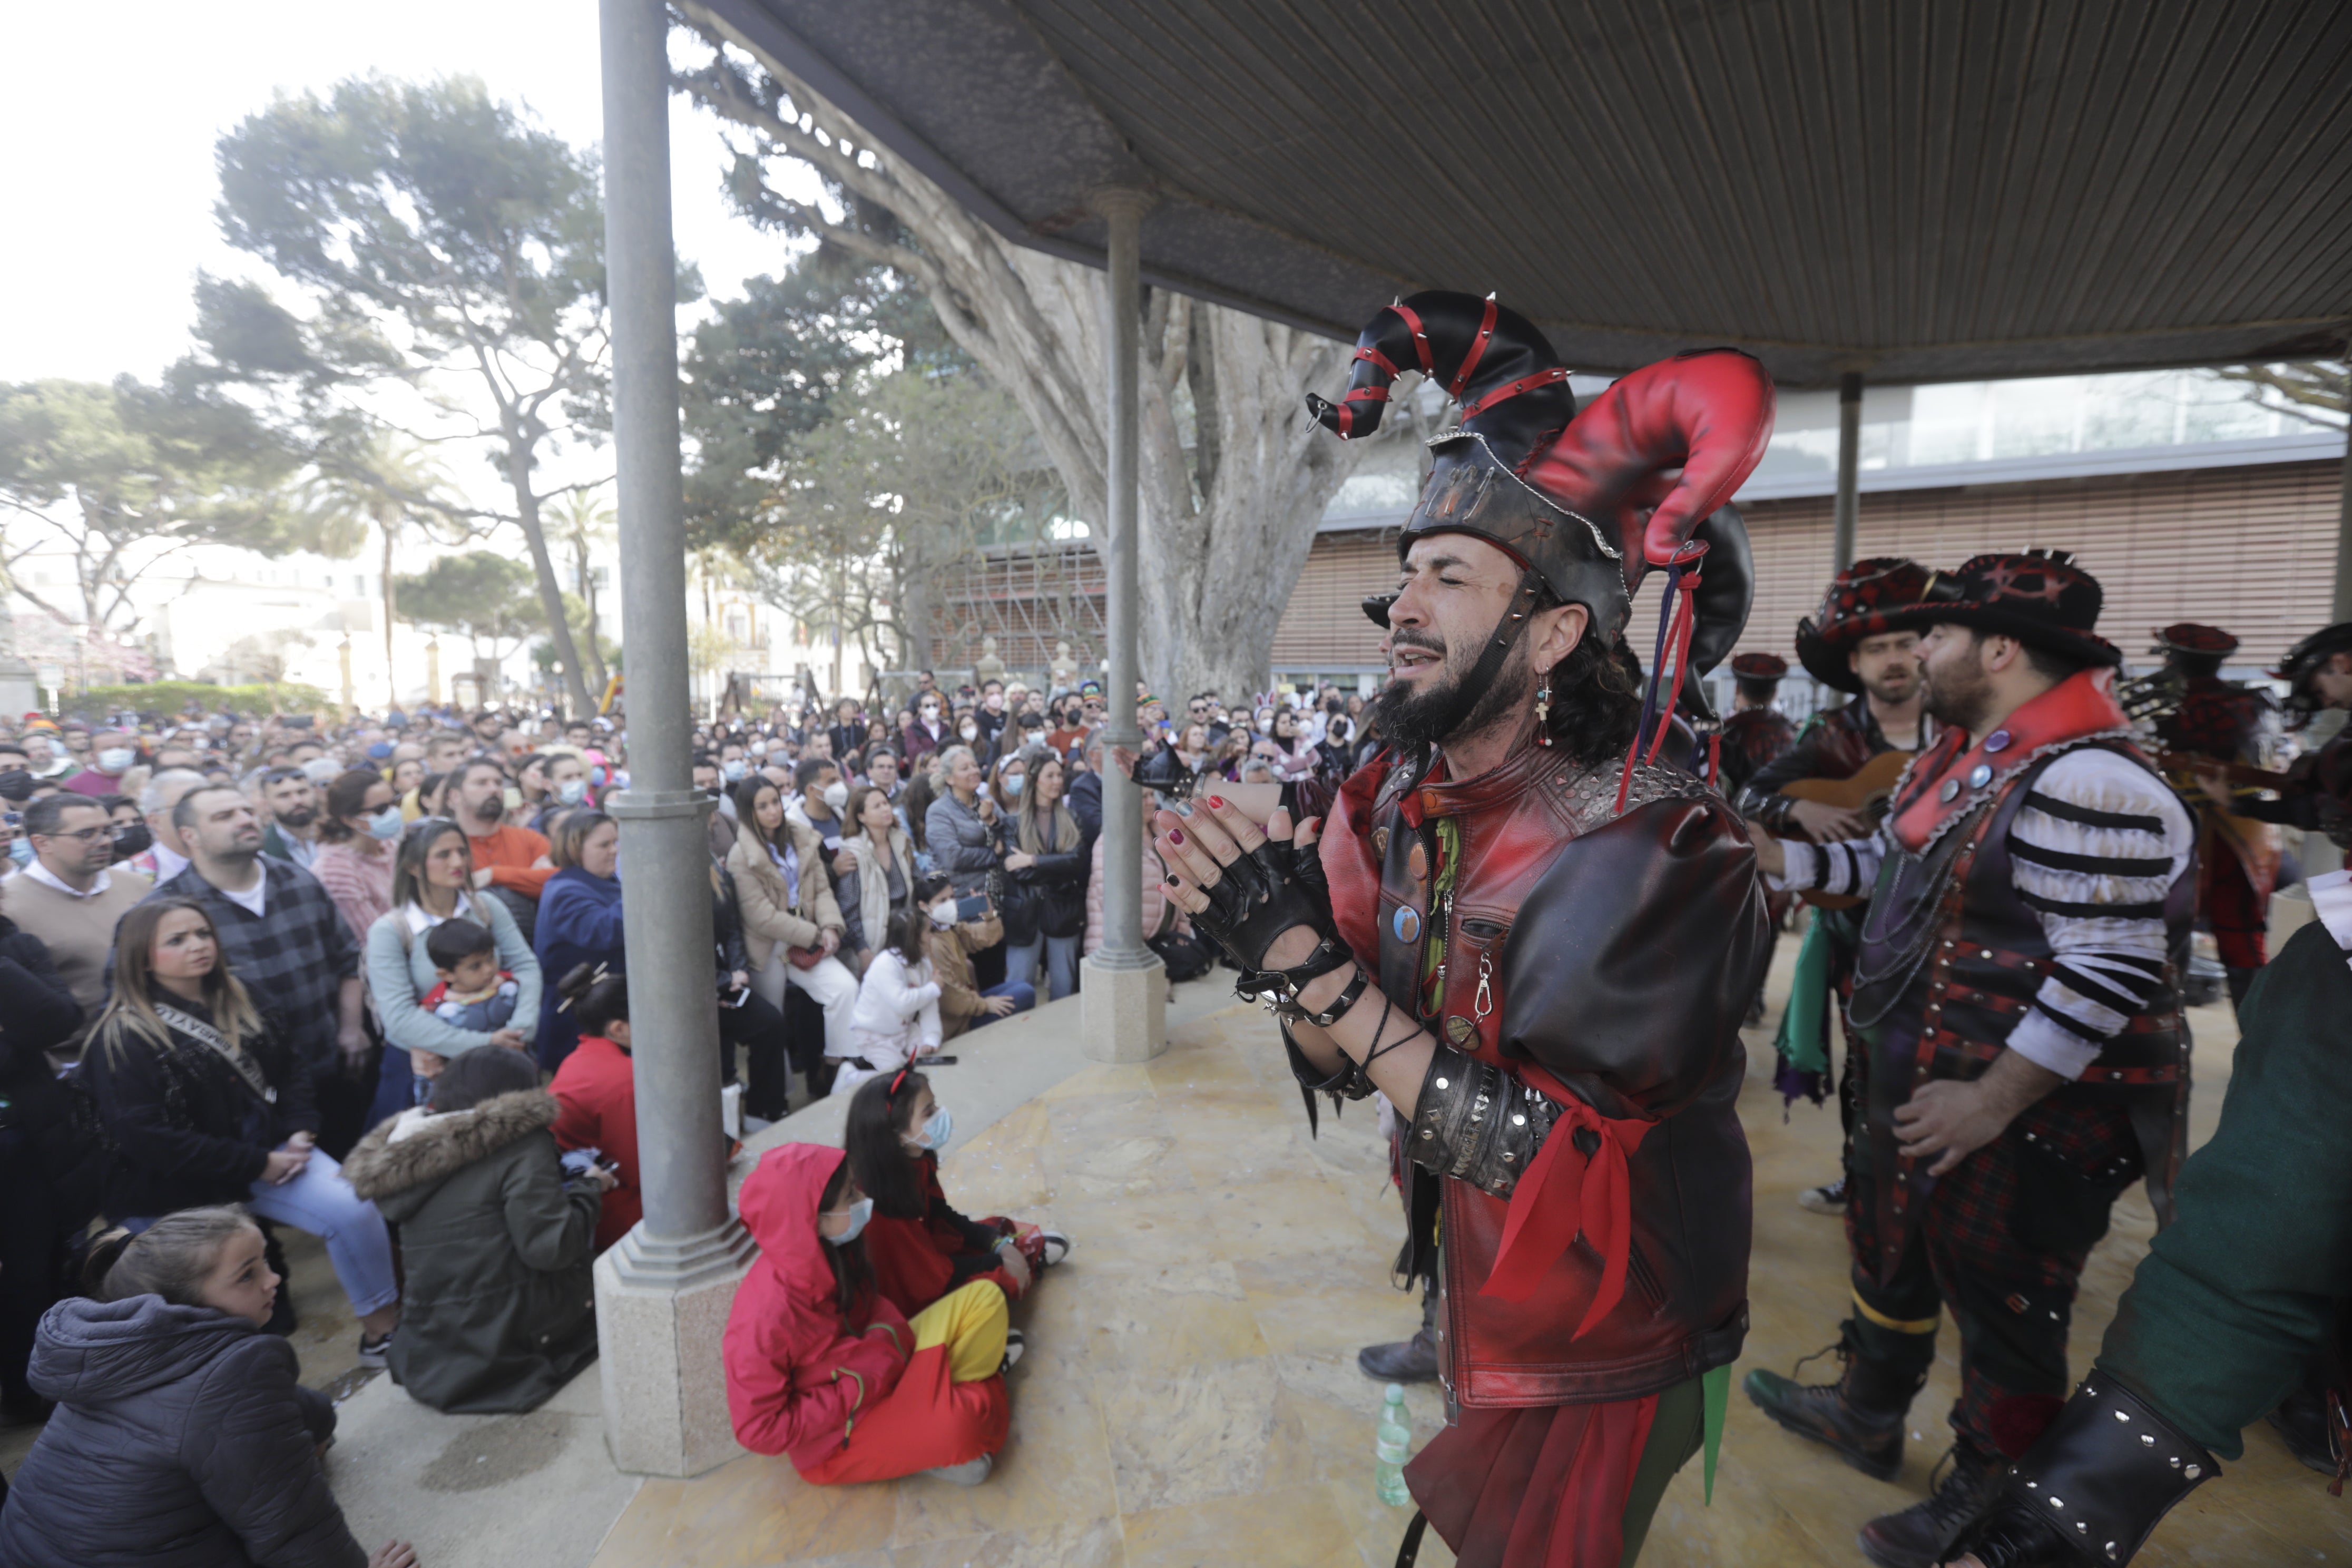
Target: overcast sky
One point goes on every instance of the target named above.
(109, 113)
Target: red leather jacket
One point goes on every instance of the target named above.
(1530, 926)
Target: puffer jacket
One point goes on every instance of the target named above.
(770, 916)
(498, 1310)
(964, 847)
(180, 1440)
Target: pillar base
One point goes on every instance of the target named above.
(1124, 1009)
(661, 1314)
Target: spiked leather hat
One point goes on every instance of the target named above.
(1585, 502)
(1868, 599)
(2038, 597)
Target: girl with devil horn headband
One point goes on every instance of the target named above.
(1535, 940)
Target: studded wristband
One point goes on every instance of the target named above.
(1477, 1123)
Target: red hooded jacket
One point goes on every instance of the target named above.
(798, 1370)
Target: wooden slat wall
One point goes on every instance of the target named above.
(1324, 627)
(2251, 548)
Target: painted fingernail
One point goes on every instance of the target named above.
(1175, 836)
(1216, 803)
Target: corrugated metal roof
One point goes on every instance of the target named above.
(1939, 190)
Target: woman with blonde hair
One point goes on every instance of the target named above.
(205, 1106)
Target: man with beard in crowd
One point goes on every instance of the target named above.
(291, 803)
(1859, 643)
(2019, 1055)
(1537, 950)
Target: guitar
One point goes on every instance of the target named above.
(2181, 767)
(1870, 792)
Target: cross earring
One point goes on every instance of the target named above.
(1543, 711)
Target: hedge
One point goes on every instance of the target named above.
(169, 697)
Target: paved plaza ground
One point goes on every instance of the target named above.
(1189, 1394)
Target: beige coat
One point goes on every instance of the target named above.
(760, 889)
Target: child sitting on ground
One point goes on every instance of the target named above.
(822, 1368)
(920, 1247)
(896, 1016)
(474, 993)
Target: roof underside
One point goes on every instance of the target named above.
(1937, 190)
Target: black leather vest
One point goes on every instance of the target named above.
(1951, 959)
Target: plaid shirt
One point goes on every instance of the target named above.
(293, 958)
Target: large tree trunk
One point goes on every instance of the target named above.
(551, 587)
(1226, 526)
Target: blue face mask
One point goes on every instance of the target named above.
(20, 850)
(935, 1132)
(1013, 785)
(860, 1213)
(736, 771)
(385, 824)
(572, 792)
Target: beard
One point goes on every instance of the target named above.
(1894, 688)
(1959, 695)
(299, 817)
(1433, 711)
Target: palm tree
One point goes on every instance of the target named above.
(391, 483)
(585, 522)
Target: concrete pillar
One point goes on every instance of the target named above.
(1125, 993)
(1848, 512)
(663, 1290)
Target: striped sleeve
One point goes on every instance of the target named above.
(1850, 865)
(2095, 851)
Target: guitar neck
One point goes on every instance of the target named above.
(2239, 774)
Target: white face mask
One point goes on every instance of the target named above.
(943, 914)
(116, 759)
(860, 1213)
(935, 1132)
(836, 795)
(385, 824)
(969, 731)
(572, 792)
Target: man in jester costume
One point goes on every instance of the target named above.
(1537, 941)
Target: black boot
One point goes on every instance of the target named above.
(1860, 1416)
(1917, 1537)
(2300, 1418)
(1407, 1361)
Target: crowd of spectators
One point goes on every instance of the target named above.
(324, 977)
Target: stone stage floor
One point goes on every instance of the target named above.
(1189, 1394)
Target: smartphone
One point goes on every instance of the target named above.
(297, 721)
(736, 997)
(970, 908)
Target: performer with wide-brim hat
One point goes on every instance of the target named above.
(2019, 1056)
(2212, 721)
(1864, 641)
(1537, 942)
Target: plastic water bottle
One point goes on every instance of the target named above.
(1393, 1448)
